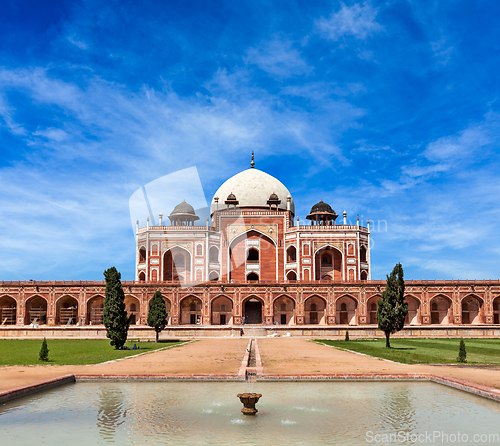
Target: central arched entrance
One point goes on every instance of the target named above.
(253, 311)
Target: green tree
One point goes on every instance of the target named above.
(44, 351)
(462, 353)
(392, 309)
(114, 315)
(346, 336)
(157, 315)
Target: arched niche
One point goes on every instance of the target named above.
(142, 254)
(8, 310)
(142, 276)
(132, 307)
(214, 254)
(371, 309)
(222, 311)
(413, 316)
(67, 311)
(346, 309)
(328, 262)
(190, 310)
(362, 253)
(364, 275)
(315, 311)
(95, 307)
(291, 276)
(248, 252)
(441, 311)
(36, 310)
(472, 310)
(213, 276)
(177, 265)
(284, 311)
(291, 254)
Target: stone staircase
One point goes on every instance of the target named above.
(253, 330)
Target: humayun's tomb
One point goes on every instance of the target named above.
(253, 266)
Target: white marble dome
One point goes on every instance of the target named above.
(252, 188)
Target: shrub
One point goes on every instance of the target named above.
(462, 353)
(44, 352)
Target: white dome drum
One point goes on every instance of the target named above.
(252, 188)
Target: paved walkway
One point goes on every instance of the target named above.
(218, 356)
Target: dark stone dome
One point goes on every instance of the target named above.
(231, 197)
(322, 208)
(183, 208)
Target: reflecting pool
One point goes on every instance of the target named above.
(290, 413)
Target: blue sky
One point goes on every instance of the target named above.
(389, 110)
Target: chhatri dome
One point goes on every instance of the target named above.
(252, 188)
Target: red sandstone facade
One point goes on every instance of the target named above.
(253, 264)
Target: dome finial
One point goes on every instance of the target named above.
(252, 164)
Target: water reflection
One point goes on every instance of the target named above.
(397, 412)
(111, 413)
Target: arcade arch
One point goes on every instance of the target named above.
(371, 309)
(472, 309)
(315, 311)
(36, 310)
(441, 312)
(190, 310)
(496, 310)
(346, 309)
(67, 311)
(413, 316)
(132, 307)
(284, 311)
(8, 310)
(222, 311)
(95, 307)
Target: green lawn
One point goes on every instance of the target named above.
(69, 351)
(424, 351)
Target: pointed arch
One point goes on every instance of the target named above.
(221, 310)
(346, 310)
(472, 309)
(36, 310)
(253, 309)
(66, 310)
(441, 310)
(190, 310)
(413, 316)
(328, 261)
(284, 310)
(371, 309)
(95, 306)
(8, 310)
(177, 264)
(315, 310)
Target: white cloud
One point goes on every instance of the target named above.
(357, 21)
(278, 57)
(69, 197)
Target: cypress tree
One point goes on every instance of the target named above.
(157, 315)
(44, 351)
(114, 315)
(346, 336)
(392, 309)
(462, 354)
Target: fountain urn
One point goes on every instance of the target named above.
(249, 401)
